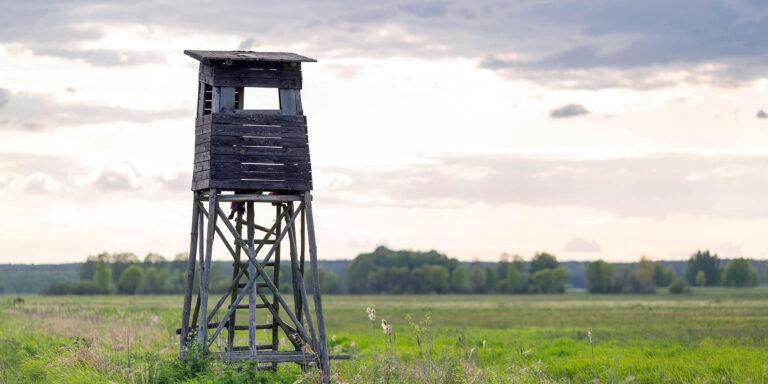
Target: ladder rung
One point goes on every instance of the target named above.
(258, 285)
(245, 306)
(241, 348)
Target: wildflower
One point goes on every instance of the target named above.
(384, 324)
(371, 313)
(528, 352)
(483, 344)
(589, 335)
(333, 338)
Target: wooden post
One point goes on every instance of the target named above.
(322, 345)
(252, 294)
(190, 276)
(202, 334)
(276, 279)
(236, 266)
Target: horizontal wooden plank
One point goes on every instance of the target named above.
(266, 176)
(252, 141)
(249, 81)
(250, 167)
(260, 185)
(258, 119)
(259, 131)
(297, 153)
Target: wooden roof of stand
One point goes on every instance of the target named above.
(209, 57)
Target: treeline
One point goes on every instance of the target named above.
(702, 269)
(126, 274)
(389, 271)
(399, 272)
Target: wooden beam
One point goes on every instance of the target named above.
(323, 346)
(205, 269)
(190, 276)
(252, 273)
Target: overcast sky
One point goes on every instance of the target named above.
(600, 129)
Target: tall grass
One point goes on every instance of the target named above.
(712, 336)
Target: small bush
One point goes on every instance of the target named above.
(679, 286)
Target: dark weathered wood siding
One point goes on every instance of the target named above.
(247, 151)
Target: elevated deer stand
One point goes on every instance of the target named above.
(251, 158)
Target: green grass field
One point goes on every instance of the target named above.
(712, 336)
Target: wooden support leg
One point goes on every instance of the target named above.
(236, 265)
(252, 294)
(190, 276)
(322, 345)
(276, 279)
(202, 334)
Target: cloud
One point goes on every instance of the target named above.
(580, 245)
(426, 9)
(5, 95)
(564, 43)
(568, 110)
(761, 114)
(104, 57)
(246, 44)
(34, 112)
(728, 249)
(641, 186)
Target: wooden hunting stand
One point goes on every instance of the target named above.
(249, 158)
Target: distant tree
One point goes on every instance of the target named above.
(57, 288)
(663, 277)
(740, 273)
(477, 279)
(490, 280)
(84, 287)
(643, 276)
(765, 274)
(129, 280)
(121, 261)
(153, 281)
(700, 279)
(551, 280)
(501, 268)
(154, 258)
(2, 288)
(103, 276)
(678, 286)
(329, 281)
(513, 278)
(459, 279)
(518, 261)
(705, 262)
(598, 276)
(439, 279)
(622, 279)
(88, 269)
(543, 260)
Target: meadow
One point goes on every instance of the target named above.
(714, 335)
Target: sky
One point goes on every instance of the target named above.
(590, 130)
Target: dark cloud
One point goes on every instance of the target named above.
(580, 245)
(33, 112)
(427, 9)
(646, 186)
(104, 57)
(568, 110)
(564, 40)
(761, 114)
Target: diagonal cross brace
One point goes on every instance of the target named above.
(260, 271)
(236, 280)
